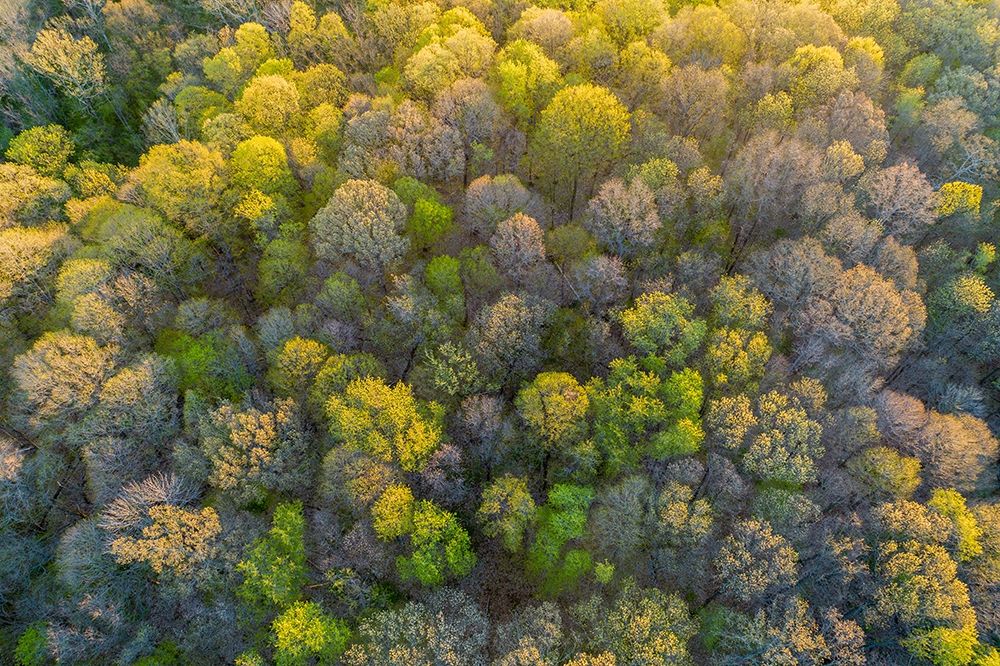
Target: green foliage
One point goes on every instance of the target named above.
(884, 471)
(32, 646)
(554, 406)
(525, 79)
(561, 519)
(46, 149)
(582, 131)
(410, 191)
(663, 324)
(943, 646)
(429, 222)
(209, 364)
(260, 164)
(304, 633)
(385, 421)
(636, 411)
(282, 272)
(507, 510)
(440, 547)
(296, 366)
(274, 570)
(392, 513)
(966, 533)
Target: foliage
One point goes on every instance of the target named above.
(274, 570)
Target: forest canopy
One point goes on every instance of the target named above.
(499, 332)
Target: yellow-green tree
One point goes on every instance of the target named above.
(582, 131)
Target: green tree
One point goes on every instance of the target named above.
(392, 513)
(554, 406)
(507, 510)
(430, 221)
(581, 132)
(269, 104)
(966, 534)
(46, 149)
(663, 324)
(883, 471)
(296, 365)
(184, 181)
(304, 633)
(561, 519)
(260, 164)
(274, 570)
(525, 79)
(440, 547)
(386, 421)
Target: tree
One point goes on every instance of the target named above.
(645, 627)
(901, 198)
(525, 79)
(664, 325)
(817, 74)
(965, 532)
(274, 570)
(469, 107)
(75, 66)
(737, 304)
(175, 541)
(507, 510)
(269, 104)
(793, 273)
(29, 258)
(253, 449)
(440, 547)
(429, 222)
(59, 379)
(27, 197)
(865, 323)
(884, 472)
(491, 199)
(561, 520)
(46, 149)
(304, 632)
(386, 421)
(786, 443)
(183, 180)
(554, 406)
(579, 134)
(701, 34)
(134, 417)
(446, 628)
(957, 451)
(754, 562)
(260, 164)
(296, 366)
(622, 217)
(917, 589)
(686, 96)
(736, 357)
(506, 337)
(362, 222)
(517, 245)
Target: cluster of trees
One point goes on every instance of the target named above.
(509, 332)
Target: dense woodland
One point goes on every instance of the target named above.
(499, 332)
